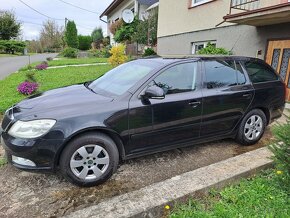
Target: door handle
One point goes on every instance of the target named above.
(247, 95)
(194, 104)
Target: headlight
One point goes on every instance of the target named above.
(31, 129)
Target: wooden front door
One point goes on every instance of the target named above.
(278, 55)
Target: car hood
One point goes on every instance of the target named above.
(61, 99)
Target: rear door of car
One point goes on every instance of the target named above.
(227, 94)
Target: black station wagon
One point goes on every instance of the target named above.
(141, 107)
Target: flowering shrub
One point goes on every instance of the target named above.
(27, 88)
(41, 66)
(118, 55)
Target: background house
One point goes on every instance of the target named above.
(114, 11)
(256, 28)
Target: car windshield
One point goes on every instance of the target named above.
(122, 78)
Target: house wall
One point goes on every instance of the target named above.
(176, 17)
(241, 39)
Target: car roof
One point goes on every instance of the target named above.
(167, 59)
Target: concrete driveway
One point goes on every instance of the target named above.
(9, 65)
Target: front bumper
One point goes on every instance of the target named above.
(40, 151)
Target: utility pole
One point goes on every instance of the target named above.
(65, 22)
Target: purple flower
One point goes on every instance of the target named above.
(41, 66)
(27, 88)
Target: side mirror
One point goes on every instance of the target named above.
(154, 92)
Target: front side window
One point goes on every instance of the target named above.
(220, 74)
(259, 72)
(178, 79)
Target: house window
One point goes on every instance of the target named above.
(196, 46)
(199, 2)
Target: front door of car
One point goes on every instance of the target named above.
(177, 117)
(227, 93)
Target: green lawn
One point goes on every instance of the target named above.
(48, 79)
(70, 61)
(261, 196)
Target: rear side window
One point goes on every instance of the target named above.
(220, 74)
(259, 73)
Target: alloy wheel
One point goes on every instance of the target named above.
(89, 162)
(253, 127)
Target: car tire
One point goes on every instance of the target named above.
(252, 127)
(89, 160)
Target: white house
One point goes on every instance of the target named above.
(114, 11)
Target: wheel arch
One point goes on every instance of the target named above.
(266, 111)
(110, 133)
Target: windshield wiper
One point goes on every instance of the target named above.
(86, 84)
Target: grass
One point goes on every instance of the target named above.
(261, 196)
(48, 79)
(70, 61)
(3, 161)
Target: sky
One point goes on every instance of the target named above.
(58, 10)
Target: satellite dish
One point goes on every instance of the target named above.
(128, 16)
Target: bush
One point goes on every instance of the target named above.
(126, 32)
(30, 75)
(211, 49)
(102, 53)
(281, 151)
(118, 55)
(149, 52)
(27, 88)
(41, 66)
(85, 42)
(12, 46)
(70, 52)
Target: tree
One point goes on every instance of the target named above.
(126, 32)
(51, 36)
(97, 34)
(85, 42)
(97, 37)
(71, 35)
(34, 46)
(146, 31)
(9, 26)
